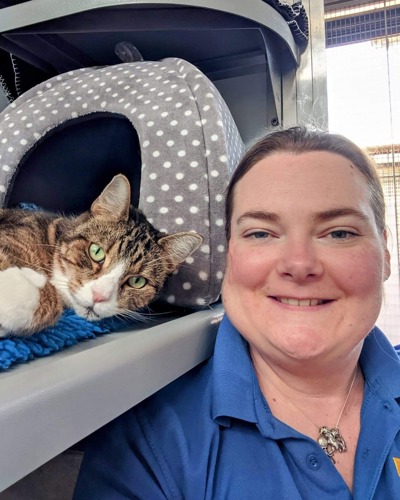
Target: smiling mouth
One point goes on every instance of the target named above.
(301, 302)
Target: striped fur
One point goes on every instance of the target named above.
(46, 262)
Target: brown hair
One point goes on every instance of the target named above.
(303, 140)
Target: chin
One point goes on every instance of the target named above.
(304, 354)
(304, 349)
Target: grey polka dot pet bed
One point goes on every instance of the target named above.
(189, 145)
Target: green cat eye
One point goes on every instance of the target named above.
(97, 253)
(137, 282)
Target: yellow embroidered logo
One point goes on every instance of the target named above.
(397, 464)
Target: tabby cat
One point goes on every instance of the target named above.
(107, 261)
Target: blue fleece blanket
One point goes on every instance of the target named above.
(69, 330)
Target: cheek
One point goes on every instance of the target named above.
(362, 275)
(246, 268)
(136, 299)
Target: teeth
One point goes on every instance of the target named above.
(302, 302)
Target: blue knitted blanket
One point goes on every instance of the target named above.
(68, 331)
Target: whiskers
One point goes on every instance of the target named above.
(170, 255)
(25, 263)
(38, 263)
(155, 260)
(126, 316)
(142, 315)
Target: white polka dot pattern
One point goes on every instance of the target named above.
(189, 145)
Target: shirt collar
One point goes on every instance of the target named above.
(233, 377)
(235, 387)
(380, 363)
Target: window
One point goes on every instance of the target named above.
(363, 74)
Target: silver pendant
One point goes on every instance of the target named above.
(331, 441)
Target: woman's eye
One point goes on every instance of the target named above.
(137, 282)
(341, 234)
(258, 235)
(97, 254)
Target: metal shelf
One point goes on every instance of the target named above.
(50, 404)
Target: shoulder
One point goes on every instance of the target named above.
(182, 401)
(152, 449)
(175, 428)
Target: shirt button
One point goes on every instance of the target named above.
(313, 463)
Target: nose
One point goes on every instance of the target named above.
(99, 296)
(299, 261)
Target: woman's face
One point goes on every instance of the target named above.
(305, 263)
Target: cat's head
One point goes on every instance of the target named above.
(111, 260)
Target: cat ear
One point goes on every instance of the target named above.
(179, 246)
(114, 201)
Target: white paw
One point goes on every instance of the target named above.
(19, 298)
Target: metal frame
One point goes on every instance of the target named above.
(37, 11)
(307, 87)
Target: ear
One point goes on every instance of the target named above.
(114, 201)
(179, 246)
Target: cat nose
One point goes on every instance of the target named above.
(99, 297)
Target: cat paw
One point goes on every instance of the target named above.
(19, 299)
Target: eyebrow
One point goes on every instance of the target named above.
(260, 215)
(323, 216)
(327, 215)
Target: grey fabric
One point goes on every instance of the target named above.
(189, 147)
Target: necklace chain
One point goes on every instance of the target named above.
(347, 397)
(330, 439)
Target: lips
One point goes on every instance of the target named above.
(300, 302)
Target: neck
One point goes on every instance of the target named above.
(305, 378)
(320, 400)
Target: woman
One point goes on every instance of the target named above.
(299, 398)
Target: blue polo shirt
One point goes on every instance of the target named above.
(210, 435)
